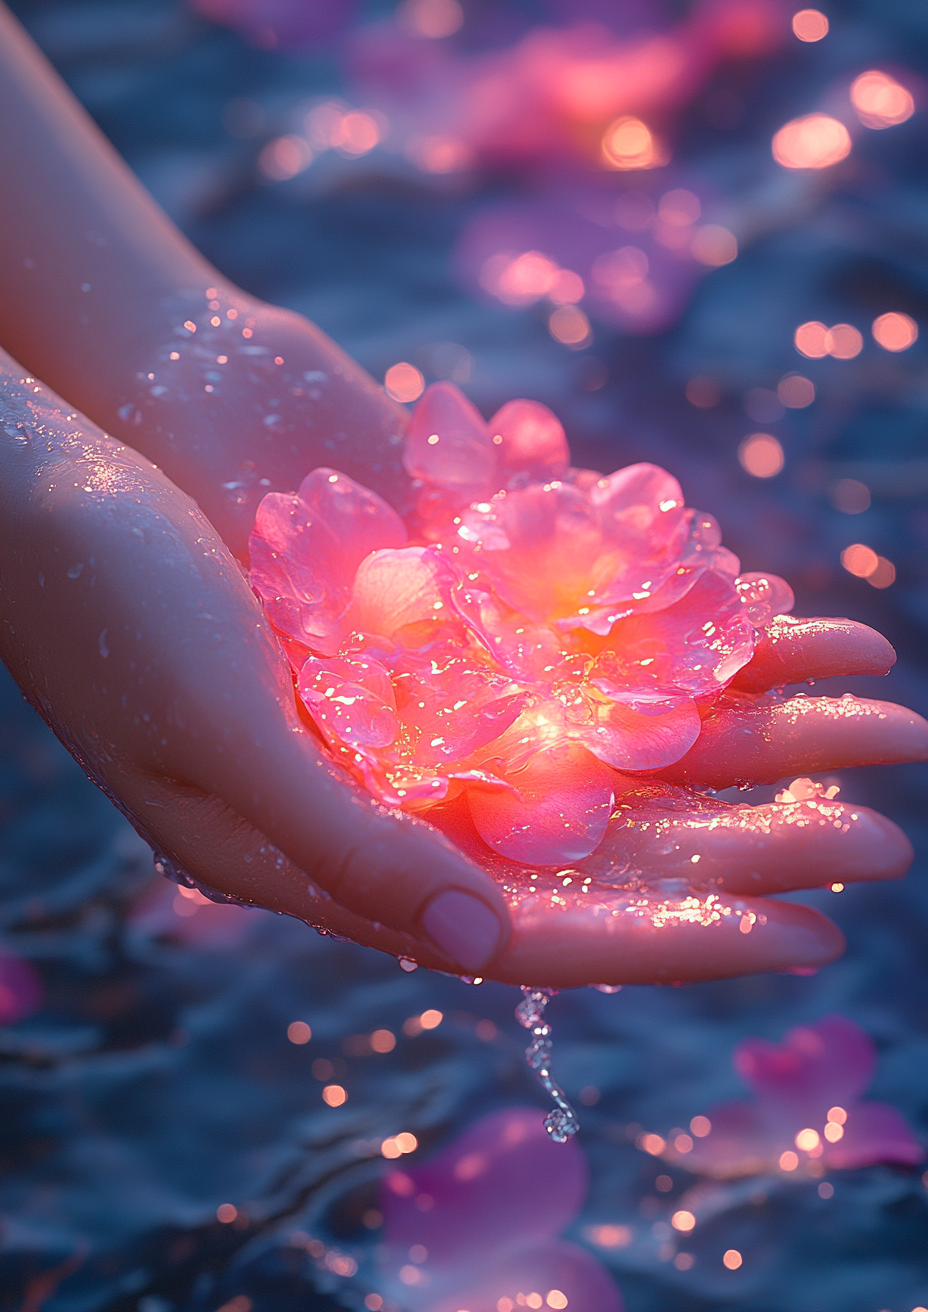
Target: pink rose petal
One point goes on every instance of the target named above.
(396, 588)
(641, 736)
(451, 704)
(533, 445)
(763, 596)
(565, 797)
(873, 1132)
(695, 646)
(538, 546)
(350, 700)
(501, 1183)
(816, 1067)
(448, 443)
(555, 1268)
(306, 548)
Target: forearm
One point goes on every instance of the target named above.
(96, 285)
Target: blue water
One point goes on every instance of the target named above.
(157, 1081)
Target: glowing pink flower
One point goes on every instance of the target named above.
(545, 629)
(478, 1225)
(557, 92)
(807, 1111)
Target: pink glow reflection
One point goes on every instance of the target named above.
(20, 989)
(579, 91)
(543, 629)
(807, 1113)
(481, 1222)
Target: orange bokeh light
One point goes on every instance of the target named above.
(714, 245)
(761, 455)
(683, 1220)
(859, 560)
(299, 1032)
(569, 326)
(404, 382)
(285, 157)
(844, 341)
(629, 144)
(895, 332)
(811, 340)
(814, 340)
(679, 207)
(356, 134)
(815, 141)
(795, 392)
(334, 1095)
(732, 1259)
(439, 154)
(881, 101)
(810, 25)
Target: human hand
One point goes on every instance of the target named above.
(132, 629)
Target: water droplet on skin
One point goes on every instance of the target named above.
(561, 1123)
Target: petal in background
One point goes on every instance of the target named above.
(501, 1184)
(806, 1109)
(21, 989)
(558, 1273)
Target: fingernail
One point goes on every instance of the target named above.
(463, 927)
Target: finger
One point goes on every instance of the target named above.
(775, 848)
(752, 742)
(793, 650)
(647, 938)
(559, 940)
(135, 631)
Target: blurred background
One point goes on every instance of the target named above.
(698, 231)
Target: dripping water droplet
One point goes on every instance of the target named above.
(562, 1121)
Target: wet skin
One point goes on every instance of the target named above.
(128, 622)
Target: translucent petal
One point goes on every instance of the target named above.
(533, 446)
(306, 548)
(396, 588)
(350, 700)
(537, 546)
(451, 705)
(763, 596)
(560, 812)
(448, 443)
(695, 646)
(639, 736)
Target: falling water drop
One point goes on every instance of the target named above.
(562, 1121)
